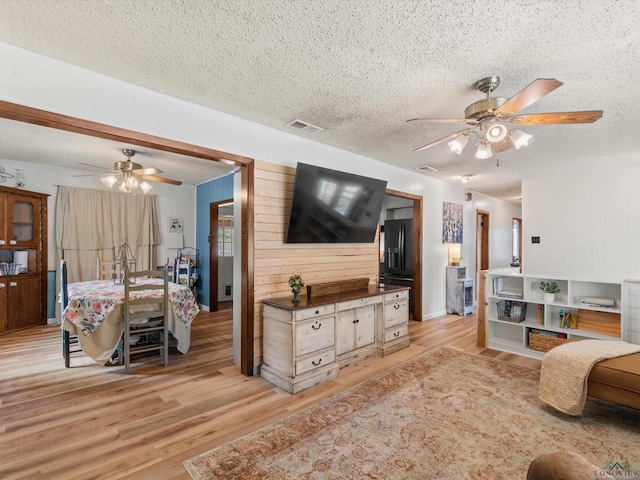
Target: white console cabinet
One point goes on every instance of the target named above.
(306, 343)
(598, 304)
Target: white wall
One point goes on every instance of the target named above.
(588, 224)
(33, 80)
(172, 201)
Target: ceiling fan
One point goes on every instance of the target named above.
(488, 118)
(130, 175)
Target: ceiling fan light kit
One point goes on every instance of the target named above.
(488, 118)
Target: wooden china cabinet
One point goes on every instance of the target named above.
(23, 239)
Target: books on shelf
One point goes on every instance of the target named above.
(540, 314)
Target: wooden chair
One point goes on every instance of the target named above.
(145, 317)
(105, 270)
(70, 343)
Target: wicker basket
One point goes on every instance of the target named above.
(544, 343)
(511, 310)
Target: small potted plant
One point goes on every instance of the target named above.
(296, 283)
(549, 290)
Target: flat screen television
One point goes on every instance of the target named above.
(329, 206)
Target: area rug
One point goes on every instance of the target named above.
(446, 414)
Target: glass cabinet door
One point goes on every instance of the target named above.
(23, 223)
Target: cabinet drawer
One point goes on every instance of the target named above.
(360, 302)
(396, 313)
(315, 361)
(315, 334)
(390, 297)
(314, 312)
(394, 333)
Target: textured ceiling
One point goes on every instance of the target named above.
(360, 68)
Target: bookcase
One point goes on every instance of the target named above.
(518, 316)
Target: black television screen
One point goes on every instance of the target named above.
(329, 206)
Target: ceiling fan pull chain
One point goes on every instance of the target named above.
(497, 161)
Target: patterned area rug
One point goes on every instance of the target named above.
(445, 414)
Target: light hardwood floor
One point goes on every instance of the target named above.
(91, 421)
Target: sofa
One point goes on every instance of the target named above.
(616, 380)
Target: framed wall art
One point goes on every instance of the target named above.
(451, 223)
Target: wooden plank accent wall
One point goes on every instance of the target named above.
(275, 261)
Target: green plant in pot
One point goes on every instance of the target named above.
(296, 283)
(549, 290)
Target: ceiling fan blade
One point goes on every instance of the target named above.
(443, 120)
(442, 140)
(147, 171)
(96, 166)
(557, 118)
(90, 175)
(160, 179)
(528, 95)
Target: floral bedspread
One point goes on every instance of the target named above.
(90, 302)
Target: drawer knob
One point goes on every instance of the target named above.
(313, 362)
(396, 306)
(13, 284)
(356, 321)
(316, 326)
(396, 334)
(2, 285)
(317, 312)
(12, 242)
(1, 242)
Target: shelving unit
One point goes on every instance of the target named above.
(596, 322)
(186, 267)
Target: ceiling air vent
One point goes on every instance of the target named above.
(304, 127)
(427, 168)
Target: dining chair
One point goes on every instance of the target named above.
(70, 342)
(105, 270)
(145, 308)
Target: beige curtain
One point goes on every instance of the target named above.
(94, 223)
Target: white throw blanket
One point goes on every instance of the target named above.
(565, 371)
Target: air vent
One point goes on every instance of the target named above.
(427, 168)
(304, 127)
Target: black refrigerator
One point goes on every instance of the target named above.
(398, 255)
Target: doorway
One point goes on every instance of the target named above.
(221, 240)
(482, 241)
(516, 241)
(414, 203)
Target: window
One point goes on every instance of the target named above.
(225, 235)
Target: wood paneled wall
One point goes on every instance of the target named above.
(275, 261)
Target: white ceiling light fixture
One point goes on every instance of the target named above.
(484, 151)
(467, 177)
(457, 144)
(109, 180)
(519, 138)
(496, 132)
